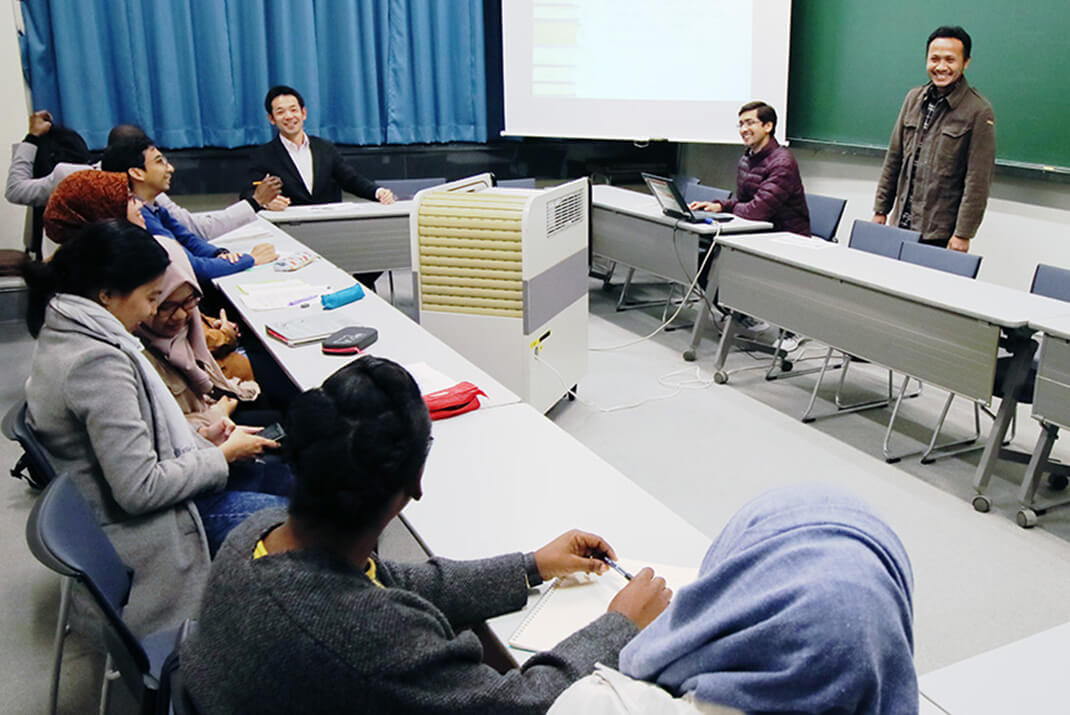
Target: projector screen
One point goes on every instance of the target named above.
(642, 70)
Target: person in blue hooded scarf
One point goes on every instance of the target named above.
(802, 605)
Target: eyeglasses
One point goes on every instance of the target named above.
(170, 307)
(749, 123)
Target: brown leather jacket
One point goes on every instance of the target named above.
(954, 168)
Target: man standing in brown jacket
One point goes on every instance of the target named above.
(942, 151)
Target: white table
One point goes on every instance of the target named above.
(1051, 407)
(629, 227)
(400, 339)
(934, 326)
(509, 480)
(1022, 677)
(357, 236)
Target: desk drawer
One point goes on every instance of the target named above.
(1051, 400)
(646, 245)
(357, 246)
(952, 351)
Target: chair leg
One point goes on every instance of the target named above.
(624, 289)
(105, 686)
(390, 279)
(1041, 453)
(888, 456)
(61, 636)
(817, 386)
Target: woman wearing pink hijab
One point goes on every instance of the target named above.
(175, 344)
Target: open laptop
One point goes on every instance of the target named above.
(673, 204)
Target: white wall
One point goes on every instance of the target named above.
(1027, 221)
(12, 121)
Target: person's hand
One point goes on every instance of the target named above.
(222, 408)
(957, 243)
(40, 122)
(714, 206)
(244, 443)
(572, 552)
(279, 203)
(384, 195)
(267, 190)
(230, 256)
(217, 432)
(133, 211)
(880, 218)
(264, 253)
(643, 599)
(221, 323)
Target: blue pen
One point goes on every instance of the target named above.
(614, 565)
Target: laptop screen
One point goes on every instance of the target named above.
(672, 204)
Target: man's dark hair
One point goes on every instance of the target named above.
(126, 154)
(125, 132)
(281, 90)
(953, 32)
(766, 113)
(354, 444)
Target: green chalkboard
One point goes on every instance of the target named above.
(853, 60)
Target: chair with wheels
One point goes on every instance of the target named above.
(405, 189)
(883, 241)
(63, 534)
(33, 465)
(961, 264)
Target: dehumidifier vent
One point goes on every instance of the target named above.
(564, 212)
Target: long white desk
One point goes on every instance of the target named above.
(509, 479)
(1022, 677)
(934, 326)
(357, 236)
(629, 227)
(1051, 407)
(400, 339)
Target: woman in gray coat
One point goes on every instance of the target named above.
(107, 419)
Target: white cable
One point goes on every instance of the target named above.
(593, 406)
(690, 289)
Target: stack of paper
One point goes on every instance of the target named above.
(272, 295)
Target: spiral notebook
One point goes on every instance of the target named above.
(571, 603)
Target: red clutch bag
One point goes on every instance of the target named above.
(462, 397)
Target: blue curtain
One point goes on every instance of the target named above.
(194, 72)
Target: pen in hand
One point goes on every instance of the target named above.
(613, 565)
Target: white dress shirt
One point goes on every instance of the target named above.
(302, 158)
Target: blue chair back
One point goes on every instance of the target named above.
(405, 189)
(880, 239)
(825, 215)
(34, 464)
(698, 192)
(1051, 282)
(64, 535)
(524, 183)
(942, 259)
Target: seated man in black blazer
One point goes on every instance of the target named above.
(312, 169)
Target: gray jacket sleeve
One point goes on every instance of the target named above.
(25, 190)
(103, 393)
(209, 224)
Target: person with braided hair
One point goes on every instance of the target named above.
(300, 614)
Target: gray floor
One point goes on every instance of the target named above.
(703, 450)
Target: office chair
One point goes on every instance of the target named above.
(825, 215)
(405, 189)
(63, 534)
(698, 192)
(883, 241)
(524, 183)
(33, 465)
(957, 263)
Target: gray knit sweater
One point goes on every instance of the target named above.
(304, 631)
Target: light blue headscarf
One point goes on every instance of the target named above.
(802, 604)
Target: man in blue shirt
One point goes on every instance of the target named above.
(150, 175)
